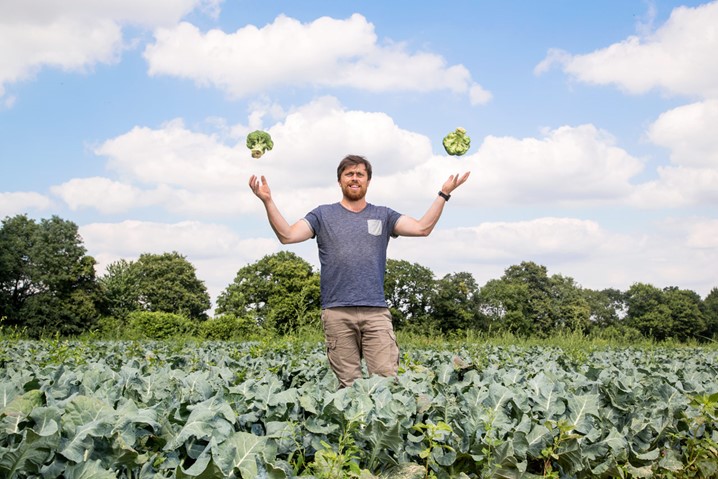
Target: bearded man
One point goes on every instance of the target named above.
(352, 237)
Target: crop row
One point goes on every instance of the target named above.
(215, 410)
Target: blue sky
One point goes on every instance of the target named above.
(594, 150)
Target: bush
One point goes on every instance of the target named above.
(228, 327)
(159, 325)
(109, 327)
(620, 334)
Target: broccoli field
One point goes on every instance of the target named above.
(135, 409)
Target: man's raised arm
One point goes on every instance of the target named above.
(286, 233)
(408, 226)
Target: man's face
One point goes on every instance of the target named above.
(354, 182)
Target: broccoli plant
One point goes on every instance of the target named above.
(259, 142)
(457, 142)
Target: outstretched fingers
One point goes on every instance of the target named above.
(455, 181)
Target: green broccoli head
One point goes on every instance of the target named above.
(457, 142)
(259, 142)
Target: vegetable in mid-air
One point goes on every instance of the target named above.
(259, 142)
(457, 142)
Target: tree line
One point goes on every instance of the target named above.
(48, 286)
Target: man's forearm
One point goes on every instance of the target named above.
(408, 226)
(286, 233)
(279, 225)
(432, 215)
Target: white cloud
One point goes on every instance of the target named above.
(678, 58)
(21, 202)
(674, 253)
(568, 166)
(111, 197)
(65, 43)
(703, 235)
(76, 35)
(174, 155)
(677, 187)
(214, 249)
(103, 194)
(690, 133)
(194, 172)
(326, 52)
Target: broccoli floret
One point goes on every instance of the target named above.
(457, 142)
(259, 142)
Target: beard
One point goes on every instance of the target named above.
(353, 194)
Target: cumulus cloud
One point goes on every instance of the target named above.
(677, 58)
(567, 166)
(22, 202)
(326, 52)
(215, 250)
(671, 253)
(183, 170)
(77, 35)
(703, 235)
(689, 132)
(174, 155)
(677, 187)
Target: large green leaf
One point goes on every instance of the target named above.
(18, 409)
(213, 418)
(8, 391)
(33, 451)
(242, 451)
(581, 410)
(47, 420)
(385, 443)
(88, 470)
(84, 418)
(545, 393)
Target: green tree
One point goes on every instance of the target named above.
(527, 301)
(281, 291)
(607, 306)
(455, 303)
(537, 306)
(569, 306)
(710, 304)
(687, 318)
(647, 311)
(503, 304)
(121, 288)
(47, 281)
(666, 313)
(168, 283)
(408, 288)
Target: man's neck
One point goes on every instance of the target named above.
(353, 205)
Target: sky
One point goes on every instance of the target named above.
(593, 125)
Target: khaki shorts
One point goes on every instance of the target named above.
(354, 333)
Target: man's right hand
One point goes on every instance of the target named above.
(260, 187)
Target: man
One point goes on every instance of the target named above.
(352, 237)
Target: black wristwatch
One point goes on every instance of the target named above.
(444, 195)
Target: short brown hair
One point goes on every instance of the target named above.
(353, 160)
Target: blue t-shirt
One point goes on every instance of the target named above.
(352, 253)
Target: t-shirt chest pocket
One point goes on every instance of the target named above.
(374, 227)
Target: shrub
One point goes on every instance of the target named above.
(228, 327)
(159, 325)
